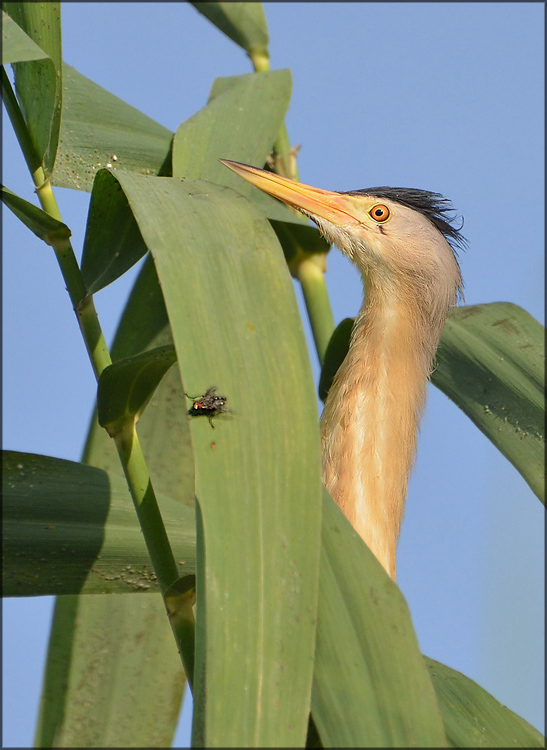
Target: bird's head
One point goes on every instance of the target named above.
(399, 238)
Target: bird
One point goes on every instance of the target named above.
(404, 244)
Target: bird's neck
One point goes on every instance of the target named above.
(371, 418)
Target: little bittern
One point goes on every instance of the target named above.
(405, 248)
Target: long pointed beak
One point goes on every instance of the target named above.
(337, 208)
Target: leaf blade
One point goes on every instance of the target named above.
(99, 129)
(39, 82)
(255, 106)
(243, 23)
(238, 272)
(103, 690)
(56, 546)
(16, 45)
(126, 386)
(44, 226)
(371, 688)
(474, 718)
(490, 363)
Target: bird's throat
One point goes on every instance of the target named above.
(371, 418)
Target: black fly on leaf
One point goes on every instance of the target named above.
(208, 405)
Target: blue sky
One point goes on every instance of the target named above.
(443, 96)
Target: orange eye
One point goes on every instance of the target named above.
(380, 213)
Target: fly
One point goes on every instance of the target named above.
(208, 405)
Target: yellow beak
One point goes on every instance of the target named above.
(337, 208)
